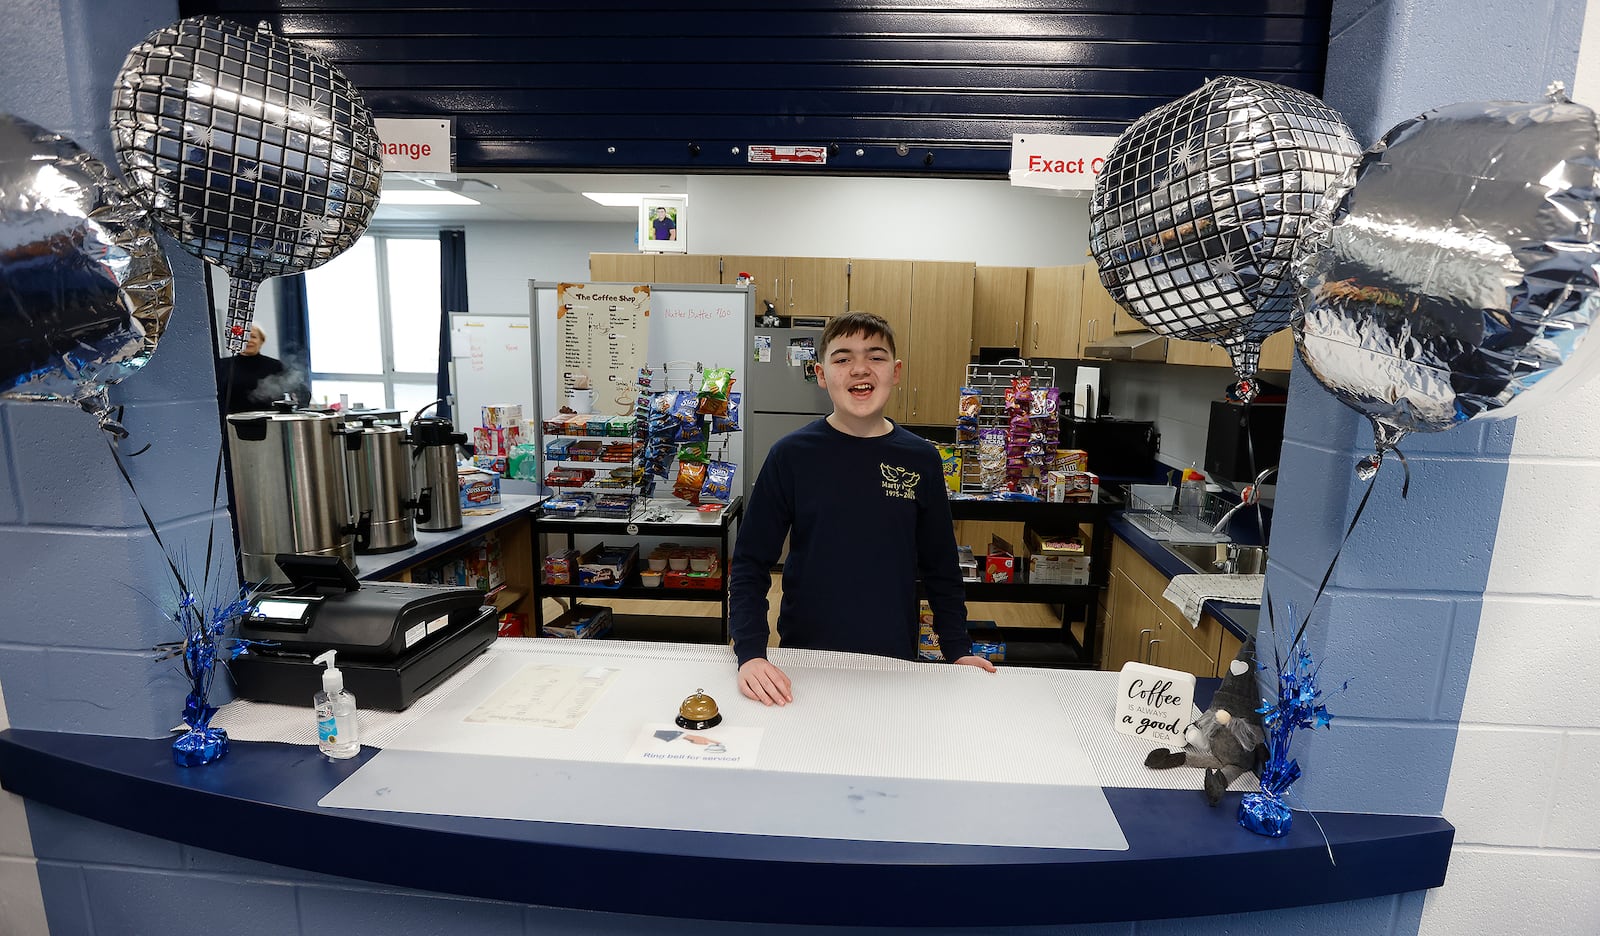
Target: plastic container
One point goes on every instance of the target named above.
(678, 562)
(338, 731)
(701, 563)
(650, 578)
(658, 563)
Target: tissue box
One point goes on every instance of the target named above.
(503, 416)
(479, 488)
(491, 440)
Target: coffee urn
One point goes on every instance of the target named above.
(433, 442)
(290, 488)
(380, 478)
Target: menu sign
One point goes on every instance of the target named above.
(603, 333)
(1154, 703)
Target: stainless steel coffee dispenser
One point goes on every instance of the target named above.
(290, 488)
(379, 467)
(433, 470)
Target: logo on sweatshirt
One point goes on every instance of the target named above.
(899, 482)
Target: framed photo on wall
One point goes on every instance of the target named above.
(663, 224)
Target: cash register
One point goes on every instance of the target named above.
(395, 641)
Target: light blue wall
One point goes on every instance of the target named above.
(72, 640)
(1401, 614)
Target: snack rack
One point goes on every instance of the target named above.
(991, 381)
(656, 501)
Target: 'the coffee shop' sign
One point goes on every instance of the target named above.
(1154, 703)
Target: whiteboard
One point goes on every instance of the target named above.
(490, 357)
(703, 323)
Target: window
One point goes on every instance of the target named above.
(374, 314)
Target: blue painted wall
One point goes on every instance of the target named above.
(1401, 613)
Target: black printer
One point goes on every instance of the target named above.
(395, 641)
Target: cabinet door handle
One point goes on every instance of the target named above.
(1016, 333)
(1152, 659)
(914, 401)
(1146, 643)
(791, 292)
(1035, 336)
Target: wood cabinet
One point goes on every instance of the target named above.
(883, 287)
(622, 268)
(999, 306)
(1144, 627)
(941, 339)
(929, 306)
(1099, 310)
(1054, 298)
(815, 286)
(1277, 353)
(769, 275)
(688, 268)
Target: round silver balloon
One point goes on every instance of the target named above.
(1195, 216)
(253, 152)
(85, 291)
(1455, 267)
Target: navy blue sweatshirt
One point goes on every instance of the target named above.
(865, 519)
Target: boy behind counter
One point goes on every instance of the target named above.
(864, 505)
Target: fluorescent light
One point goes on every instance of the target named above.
(626, 199)
(424, 197)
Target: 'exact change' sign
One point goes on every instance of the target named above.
(1044, 160)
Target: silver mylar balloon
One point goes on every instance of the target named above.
(85, 291)
(256, 154)
(1455, 267)
(1195, 216)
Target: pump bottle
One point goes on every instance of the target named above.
(338, 734)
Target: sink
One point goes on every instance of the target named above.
(1214, 557)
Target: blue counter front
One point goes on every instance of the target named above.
(261, 803)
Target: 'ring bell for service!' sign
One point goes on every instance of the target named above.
(1154, 703)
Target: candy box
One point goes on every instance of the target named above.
(988, 643)
(1055, 544)
(503, 416)
(999, 565)
(1058, 570)
(494, 463)
(607, 566)
(561, 568)
(491, 440)
(513, 624)
(479, 488)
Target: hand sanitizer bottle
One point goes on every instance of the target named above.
(338, 734)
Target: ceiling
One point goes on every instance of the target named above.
(519, 196)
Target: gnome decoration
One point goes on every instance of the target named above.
(1227, 738)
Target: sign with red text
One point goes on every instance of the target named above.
(1044, 160)
(805, 155)
(1154, 703)
(417, 145)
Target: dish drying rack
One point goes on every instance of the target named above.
(1162, 521)
(991, 381)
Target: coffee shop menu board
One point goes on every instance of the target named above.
(603, 331)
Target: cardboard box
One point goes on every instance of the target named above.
(583, 621)
(968, 564)
(513, 624)
(1058, 570)
(1055, 544)
(492, 440)
(999, 565)
(503, 416)
(479, 488)
(697, 580)
(495, 463)
(561, 568)
(988, 643)
(608, 566)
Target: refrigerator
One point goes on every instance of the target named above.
(778, 397)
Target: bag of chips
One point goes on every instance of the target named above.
(950, 464)
(728, 422)
(691, 476)
(693, 452)
(718, 483)
(714, 390)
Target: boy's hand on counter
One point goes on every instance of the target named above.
(765, 683)
(977, 661)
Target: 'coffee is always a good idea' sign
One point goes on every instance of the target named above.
(1154, 703)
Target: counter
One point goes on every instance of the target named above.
(1239, 619)
(261, 803)
(378, 566)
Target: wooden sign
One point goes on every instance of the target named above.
(1154, 703)
(603, 334)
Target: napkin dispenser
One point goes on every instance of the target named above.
(396, 641)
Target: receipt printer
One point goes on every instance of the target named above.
(395, 641)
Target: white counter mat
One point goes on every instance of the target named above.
(871, 749)
(1084, 698)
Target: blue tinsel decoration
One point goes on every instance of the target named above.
(205, 639)
(1298, 705)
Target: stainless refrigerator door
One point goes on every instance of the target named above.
(775, 387)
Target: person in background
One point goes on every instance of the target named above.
(864, 505)
(665, 228)
(252, 380)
